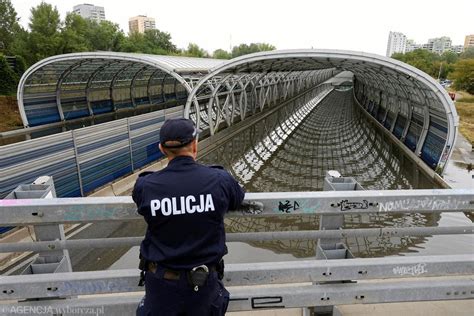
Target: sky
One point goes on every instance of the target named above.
(359, 25)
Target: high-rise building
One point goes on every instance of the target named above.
(411, 46)
(439, 45)
(397, 43)
(457, 48)
(141, 23)
(469, 41)
(90, 11)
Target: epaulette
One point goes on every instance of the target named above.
(145, 173)
(216, 166)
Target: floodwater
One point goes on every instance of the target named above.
(292, 152)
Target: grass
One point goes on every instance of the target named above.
(465, 109)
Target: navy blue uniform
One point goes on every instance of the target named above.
(184, 206)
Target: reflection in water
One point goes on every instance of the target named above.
(292, 150)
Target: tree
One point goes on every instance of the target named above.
(468, 53)
(74, 34)
(449, 57)
(244, 49)
(159, 42)
(446, 64)
(221, 54)
(105, 36)
(8, 25)
(8, 78)
(20, 46)
(20, 65)
(422, 59)
(195, 51)
(135, 43)
(44, 39)
(463, 75)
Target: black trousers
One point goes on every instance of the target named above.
(177, 298)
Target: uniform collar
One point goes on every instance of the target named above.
(180, 160)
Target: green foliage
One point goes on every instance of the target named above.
(19, 46)
(8, 77)
(463, 75)
(105, 36)
(468, 53)
(195, 51)
(20, 66)
(48, 36)
(44, 39)
(429, 62)
(422, 59)
(9, 26)
(135, 43)
(244, 49)
(74, 34)
(161, 41)
(221, 54)
(151, 42)
(449, 57)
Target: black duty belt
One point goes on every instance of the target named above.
(197, 276)
(170, 274)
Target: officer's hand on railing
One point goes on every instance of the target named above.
(250, 207)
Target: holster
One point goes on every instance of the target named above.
(220, 269)
(197, 277)
(143, 266)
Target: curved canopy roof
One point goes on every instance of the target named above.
(395, 77)
(66, 87)
(407, 101)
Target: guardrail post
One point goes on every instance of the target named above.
(130, 147)
(49, 261)
(78, 166)
(334, 248)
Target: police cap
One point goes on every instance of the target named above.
(179, 131)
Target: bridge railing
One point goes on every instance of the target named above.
(84, 159)
(257, 285)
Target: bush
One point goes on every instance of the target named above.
(8, 78)
(20, 66)
(463, 75)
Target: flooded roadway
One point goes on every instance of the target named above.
(291, 151)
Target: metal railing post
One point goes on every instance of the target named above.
(78, 166)
(334, 248)
(130, 144)
(47, 261)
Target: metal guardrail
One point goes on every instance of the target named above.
(249, 298)
(241, 237)
(95, 209)
(312, 282)
(245, 274)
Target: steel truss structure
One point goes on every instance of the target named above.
(223, 100)
(67, 87)
(408, 102)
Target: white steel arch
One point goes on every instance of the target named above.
(178, 68)
(428, 118)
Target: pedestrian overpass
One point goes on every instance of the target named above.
(216, 94)
(223, 97)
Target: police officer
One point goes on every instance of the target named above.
(184, 206)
